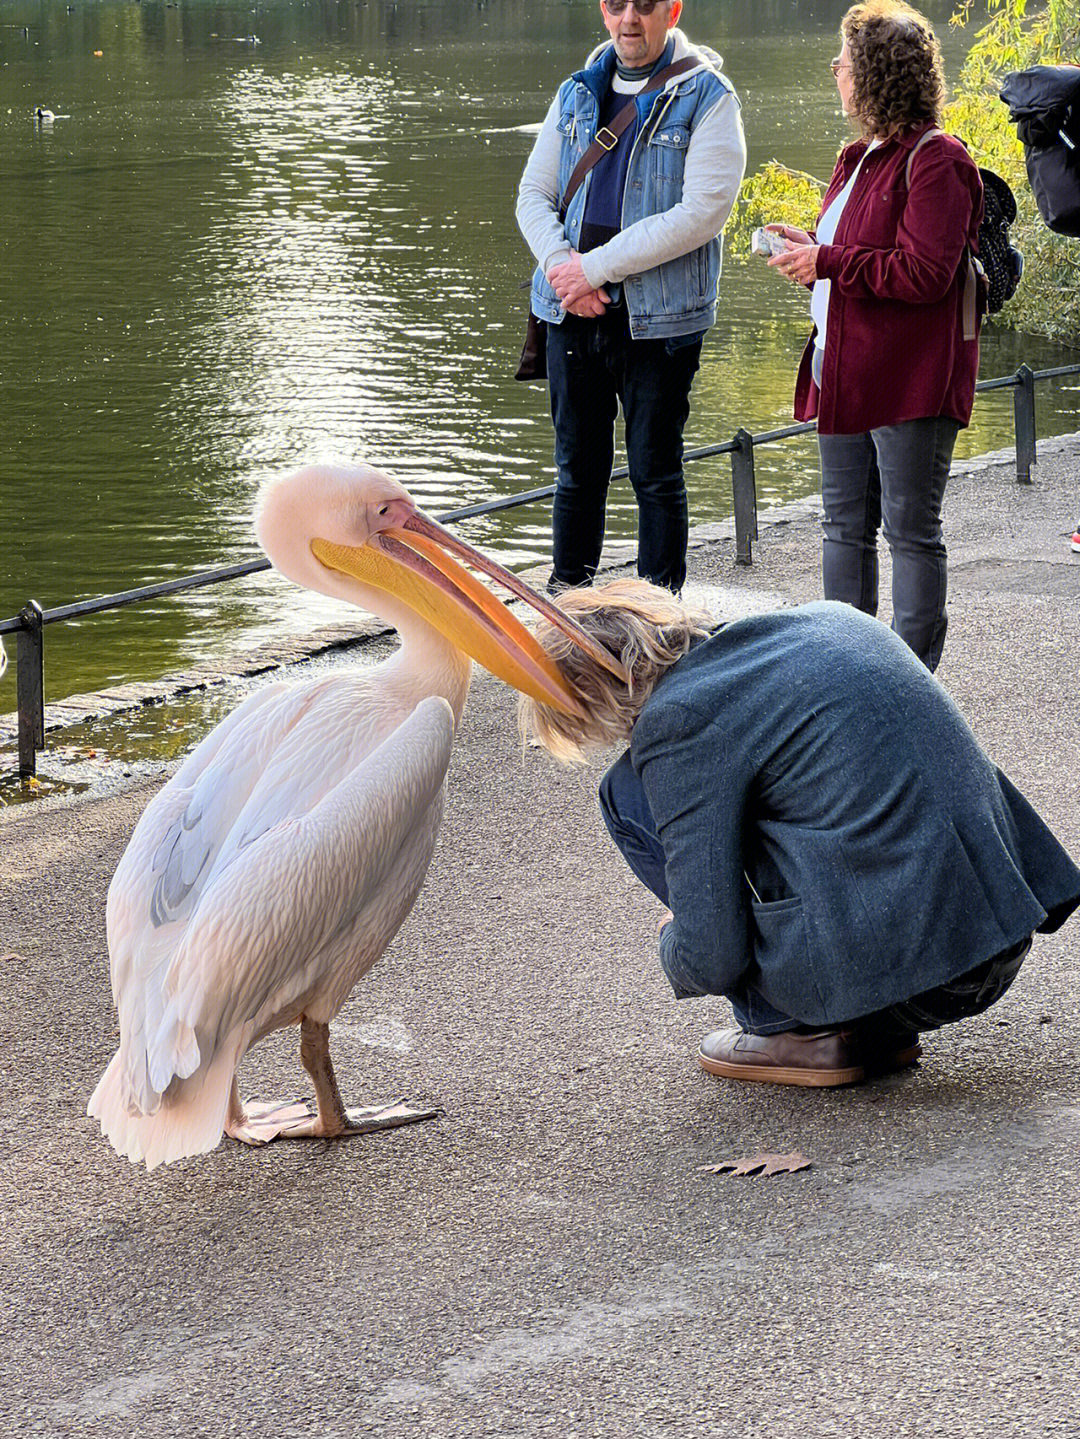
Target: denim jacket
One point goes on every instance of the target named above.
(684, 173)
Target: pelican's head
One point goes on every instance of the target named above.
(353, 532)
(336, 504)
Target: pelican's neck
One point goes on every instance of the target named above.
(426, 663)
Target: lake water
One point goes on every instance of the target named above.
(258, 236)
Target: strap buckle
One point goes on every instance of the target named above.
(610, 142)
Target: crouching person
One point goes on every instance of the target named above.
(840, 859)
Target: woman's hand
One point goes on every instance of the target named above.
(798, 264)
(790, 232)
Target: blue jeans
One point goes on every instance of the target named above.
(630, 823)
(891, 478)
(593, 365)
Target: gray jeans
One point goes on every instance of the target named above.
(892, 478)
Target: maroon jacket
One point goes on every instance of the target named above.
(894, 346)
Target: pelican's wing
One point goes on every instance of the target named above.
(208, 749)
(189, 819)
(217, 780)
(254, 942)
(168, 858)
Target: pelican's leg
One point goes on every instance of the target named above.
(333, 1120)
(260, 1123)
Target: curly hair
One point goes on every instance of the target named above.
(896, 68)
(646, 627)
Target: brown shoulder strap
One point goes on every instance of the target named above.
(919, 143)
(607, 137)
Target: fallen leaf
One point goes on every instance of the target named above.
(761, 1165)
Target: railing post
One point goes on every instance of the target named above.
(1024, 423)
(30, 688)
(744, 495)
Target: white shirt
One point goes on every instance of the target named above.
(826, 231)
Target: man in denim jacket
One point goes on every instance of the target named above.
(627, 283)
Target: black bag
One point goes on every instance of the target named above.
(1044, 105)
(533, 362)
(1002, 263)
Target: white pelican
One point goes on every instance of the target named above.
(274, 868)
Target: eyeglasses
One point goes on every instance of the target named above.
(643, 7)
(837, 65)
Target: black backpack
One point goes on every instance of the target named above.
(1044, 105)
(1000, 262)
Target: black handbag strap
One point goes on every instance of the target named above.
(607, 137)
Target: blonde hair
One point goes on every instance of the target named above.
(647, 628)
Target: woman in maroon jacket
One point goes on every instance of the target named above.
(891, 365)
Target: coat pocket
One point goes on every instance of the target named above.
(774, 919)
(786, 974)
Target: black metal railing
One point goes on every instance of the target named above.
(29, 623)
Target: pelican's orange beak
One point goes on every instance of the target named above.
(414, 562)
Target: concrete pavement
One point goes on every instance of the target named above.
(547, 1258)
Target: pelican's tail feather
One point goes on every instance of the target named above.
(190, 1118)
(174, 1051)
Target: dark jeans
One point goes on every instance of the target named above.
(593, 365)
(891, 478)
(630, 823)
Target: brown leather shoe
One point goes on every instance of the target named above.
(823, 1060)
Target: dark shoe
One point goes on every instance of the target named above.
(822, 1060)
(883, 1056)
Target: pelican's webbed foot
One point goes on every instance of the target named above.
(328, 1118)
(257, 1123)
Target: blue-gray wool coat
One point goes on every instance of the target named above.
(835, 839)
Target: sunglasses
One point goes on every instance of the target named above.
(837, 65)
(643, 7)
